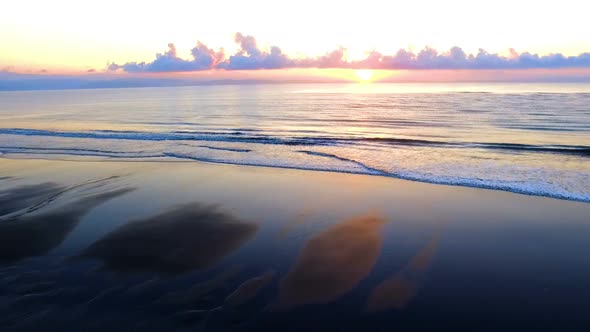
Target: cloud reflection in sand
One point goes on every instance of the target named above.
(187, 237)
(18, 198)
(332, 262)
(248, 290)
(202, 289)
(34, 235)
(398, 290)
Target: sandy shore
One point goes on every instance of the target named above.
(185, 245)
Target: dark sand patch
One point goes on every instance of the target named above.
(333, 262)
(185, 238)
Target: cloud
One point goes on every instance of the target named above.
(334, 59)
(456, 58)
(248, 44)
(251, 56)
(203, 58)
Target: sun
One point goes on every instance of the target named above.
(364, 75)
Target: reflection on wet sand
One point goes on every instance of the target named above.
(18, 198)
(28, 236)
(19, 201)
(187, 237)
(202, 289)
(248, 290)
(332, 262)
(301, 218)
(397, 291)
(235, 309)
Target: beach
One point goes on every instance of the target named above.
(95, 243)
(294, 166)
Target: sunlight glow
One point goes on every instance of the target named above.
(364, 75)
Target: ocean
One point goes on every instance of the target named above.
(525, 138)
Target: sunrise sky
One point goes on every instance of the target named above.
(294, 38)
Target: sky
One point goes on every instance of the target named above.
(212, 39)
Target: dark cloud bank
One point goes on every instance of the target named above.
(250, 57)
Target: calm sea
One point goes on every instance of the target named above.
(525, 138)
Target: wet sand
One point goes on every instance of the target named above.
(95, 244)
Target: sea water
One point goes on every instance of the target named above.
(525, 138)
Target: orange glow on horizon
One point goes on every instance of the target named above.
(327, 75)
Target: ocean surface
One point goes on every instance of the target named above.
(525, 138)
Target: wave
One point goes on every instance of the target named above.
(369, 169)
(514, 187)
(252, 136)
(580, 150)
(173, 136)
(76, 152)
(519, 187)
(224, 149)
